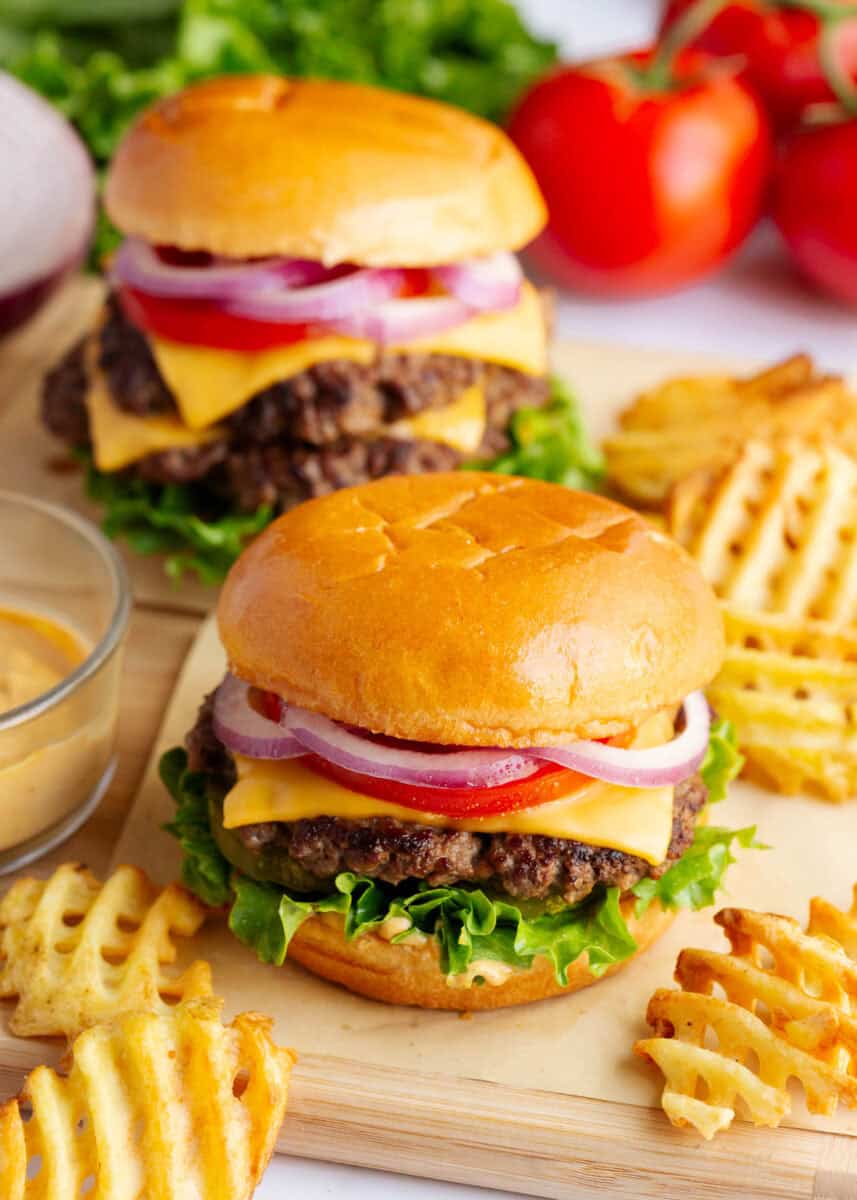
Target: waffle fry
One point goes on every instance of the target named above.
(75, 952)
(701, 423)
(777, 531)
(787, 1012)
(170, 1105)
(790, 688)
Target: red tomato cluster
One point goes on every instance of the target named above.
(657, 165)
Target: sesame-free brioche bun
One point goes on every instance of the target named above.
(408, 973)
(257, 165)
(471, 609)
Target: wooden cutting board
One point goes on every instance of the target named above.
(545, 1100)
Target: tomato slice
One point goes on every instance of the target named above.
(204, 323)
(549, 782)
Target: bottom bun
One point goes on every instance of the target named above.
(409, 972)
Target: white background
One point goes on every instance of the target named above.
(757, 308)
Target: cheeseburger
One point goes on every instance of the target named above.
(460, 758)
(317, 287)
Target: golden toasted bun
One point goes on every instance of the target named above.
(471, 609)
(406, 973)
(257, 165)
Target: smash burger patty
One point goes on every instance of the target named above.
(321, 429)
(528, 867)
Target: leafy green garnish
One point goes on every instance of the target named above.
(101, 61)
(164, 519)
(723, 760)
(551, 443)
(469, 923)
(204, 869)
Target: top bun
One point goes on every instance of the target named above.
(471, 609)
(255, 165)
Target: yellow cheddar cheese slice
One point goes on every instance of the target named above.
(460, 424)
(210, 384)
(635, 820)
(120, 438)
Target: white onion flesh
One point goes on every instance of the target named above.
(399, 321)
(47, 201)
(342, 297)
(484, 284)
(242, 729)
(418, 768)
(138, 265)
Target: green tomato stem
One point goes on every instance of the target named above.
(694, 21)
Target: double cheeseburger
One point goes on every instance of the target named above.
(460, 758)
(317, 287)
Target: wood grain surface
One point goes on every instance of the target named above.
(418, 1122)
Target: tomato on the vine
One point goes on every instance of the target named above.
(780, 45)
(653, 171)
(815, 204)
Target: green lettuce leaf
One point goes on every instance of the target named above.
(156, 519)
(469, 923)
(550, 443)
(723, 760)
(204, 869)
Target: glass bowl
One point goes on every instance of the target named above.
(64, 608)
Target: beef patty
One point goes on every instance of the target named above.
(322, 429)
(526, 866)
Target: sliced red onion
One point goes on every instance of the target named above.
(241, 728)
(654, 767)
(138, 265)
(47, 201)
(484, 283)
(340, 297)
(451, 769)
(403, 320)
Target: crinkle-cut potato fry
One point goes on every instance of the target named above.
(75, 952)
(776, 531)
(788, 1010)
(173, 1106)
(699, 424)
(789, 685)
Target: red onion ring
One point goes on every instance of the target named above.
(339, 297)
(241, 728)
(403, 320)
(484, 283)
(138, 265)
(653, 767)
(453, 769)
(47, 201)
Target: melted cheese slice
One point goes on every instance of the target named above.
(210, 384)
(460, 424)
(634, 820)
(120, 438)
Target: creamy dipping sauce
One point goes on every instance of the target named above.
(50, 764)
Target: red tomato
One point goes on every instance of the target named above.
(202, 323)
(550, 782)
(780, 46)
(815, 205)
(647, 188)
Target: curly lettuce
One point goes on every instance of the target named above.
(469, 923)
(165, 519)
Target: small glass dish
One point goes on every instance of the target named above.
(64, 608)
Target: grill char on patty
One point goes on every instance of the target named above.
(526, 866)
(322, 429)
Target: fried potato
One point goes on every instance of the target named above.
(787, 1012)
(777, 531)
(171, 1105)
(699, 424)
(790, 688)
(75, 952)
